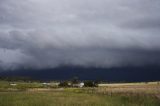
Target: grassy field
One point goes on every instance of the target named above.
(141, 94)
(65, 98)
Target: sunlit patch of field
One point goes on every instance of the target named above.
(146, 88)
(130, 84)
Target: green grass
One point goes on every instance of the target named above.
(5, 85)
(65, 98)
(35, 94)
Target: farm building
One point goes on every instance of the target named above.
(79, 85)
(13, 84)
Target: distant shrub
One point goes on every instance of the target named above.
(63, 84)
(90, 84)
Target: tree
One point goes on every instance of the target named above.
(75, 80)
(63, 84)
(90, 84)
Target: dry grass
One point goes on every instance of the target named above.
(151, 88)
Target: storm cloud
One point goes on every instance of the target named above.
(90, 33)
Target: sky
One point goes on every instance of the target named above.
(43, 34)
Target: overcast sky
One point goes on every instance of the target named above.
(90, 33)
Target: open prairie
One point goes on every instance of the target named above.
(34, 94)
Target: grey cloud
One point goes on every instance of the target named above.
(142, 24)
(90, 33)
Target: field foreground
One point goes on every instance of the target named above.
(105, 95)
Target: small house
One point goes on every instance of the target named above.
(78, 85)
(13, 84)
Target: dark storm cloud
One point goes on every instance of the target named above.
(103, 33)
